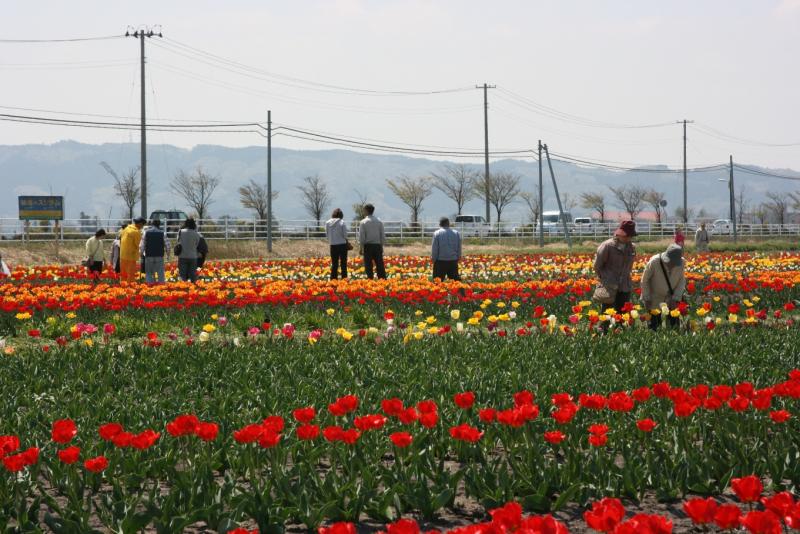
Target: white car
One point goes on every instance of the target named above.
(583, 226)
(722, 227)
(471, 225)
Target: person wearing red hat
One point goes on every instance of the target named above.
(613, 264)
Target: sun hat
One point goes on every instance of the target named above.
(626, 228)
(673, 255)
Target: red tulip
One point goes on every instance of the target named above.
(727, 516)
(464, 400)
(605, 514)
(701, 511)
(401, 439)
(63, 431)
(748, 488)
(96, 464)
(69, 455)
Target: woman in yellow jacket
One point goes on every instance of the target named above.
(129, 241)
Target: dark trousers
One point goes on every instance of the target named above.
(446, 269)
(338, 259)
(655, 321)
(374, 254)
(621, 299)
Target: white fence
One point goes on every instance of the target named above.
(241, 229)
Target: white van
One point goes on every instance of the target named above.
(471, 225)
(552, 223)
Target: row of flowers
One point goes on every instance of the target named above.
(42, 289)
(479, 267)
(496, 318)
(683, 403)
(763, 515)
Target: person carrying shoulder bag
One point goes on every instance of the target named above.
(663, 282)
(186, 251)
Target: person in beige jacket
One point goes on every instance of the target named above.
(663, 282)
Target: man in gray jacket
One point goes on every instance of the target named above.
(371, 238)
(445, 251)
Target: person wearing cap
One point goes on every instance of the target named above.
(445, 251)
(663, 282)
(701, 238)
(614, 261)
(129, 241)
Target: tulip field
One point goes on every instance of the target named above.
(269, 398)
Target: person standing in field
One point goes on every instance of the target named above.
(95, 255)
(154, 247)
(445, 251)
(372, 238)
(129, 241)
(115, 251)
(680, 238)
(336, 232)
(189, 242)
(701, 238)
(613, 264)
(663, 281)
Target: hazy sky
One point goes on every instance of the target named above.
(729, 65)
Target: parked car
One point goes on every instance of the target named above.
(722, 227)
(552, 222)
(583, 226)
(171, 220)
(472, 225)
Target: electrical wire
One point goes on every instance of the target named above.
(712, 132)
(124, 124)
(565, 158)
(306, 102)
(97, 115)
(764, 173)
(535, 107)
(73, 40)
(311, 85)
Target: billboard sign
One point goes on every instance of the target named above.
(41, 208)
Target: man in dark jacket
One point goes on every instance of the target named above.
(154, 246)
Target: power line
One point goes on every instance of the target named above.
(541, 109)
(307, 102)
(79, 114)
(72, 40)
(764, 173)
(712, 132)
(312, 85)
(565, 158)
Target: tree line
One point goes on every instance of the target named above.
(459, 183)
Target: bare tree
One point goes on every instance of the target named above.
(778, 206)
(568, 202)
(679, 213)
(315, 196)
(742, 205)
(457, 182)
(531, 199)
(630, 198)
(503, 188)
(795, 200)
(595, 202)
(254, 196)
(761, 213)
(358, 207)
(196, 189)
(412, 192)
(656, 201)
(126, 187)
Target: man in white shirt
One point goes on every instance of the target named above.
(371, 238)
(445, 251)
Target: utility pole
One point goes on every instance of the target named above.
(269, 181)
(541, 199)
(486, 179)
(558, 199)
(685, 202)
(141, 34)
(733, 202)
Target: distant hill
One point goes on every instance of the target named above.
(73, 169)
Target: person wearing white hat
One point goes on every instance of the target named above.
(663, 281)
